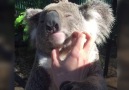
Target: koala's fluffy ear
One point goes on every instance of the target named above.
(102, 14)
(32, 16)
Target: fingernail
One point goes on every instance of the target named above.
(74, 35)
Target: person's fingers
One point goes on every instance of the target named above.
(89, 43)
(81, 39)
(55, 57)
(75, 34)
(74, 38)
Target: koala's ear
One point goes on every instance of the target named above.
(32, 16)
(102, 14)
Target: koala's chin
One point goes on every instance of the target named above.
(57, 39)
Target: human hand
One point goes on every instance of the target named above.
(72, 67)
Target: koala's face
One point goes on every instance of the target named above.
(53, 26)
(57, 23)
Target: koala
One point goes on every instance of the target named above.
(52, 27)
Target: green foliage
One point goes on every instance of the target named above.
(20, 6)
(21, 23)
(19, 20)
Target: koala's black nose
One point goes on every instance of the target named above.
(52, 21)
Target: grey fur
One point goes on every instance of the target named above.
(81, 19)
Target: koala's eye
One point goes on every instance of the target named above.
(68, 15)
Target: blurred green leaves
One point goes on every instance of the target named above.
(19, 19)
(21, 24)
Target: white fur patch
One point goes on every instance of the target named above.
(91, 27)
(31, 12)
(93, 57)
(94, 14)
(44, 62)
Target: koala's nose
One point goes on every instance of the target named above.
(52, 21)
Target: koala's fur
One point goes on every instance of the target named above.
(94, 17)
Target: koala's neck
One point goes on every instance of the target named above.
(44, 58)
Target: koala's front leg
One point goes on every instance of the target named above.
(39, 78)
(94, 80)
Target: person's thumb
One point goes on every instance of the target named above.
(55, 57)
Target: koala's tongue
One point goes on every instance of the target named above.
(57, 38)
